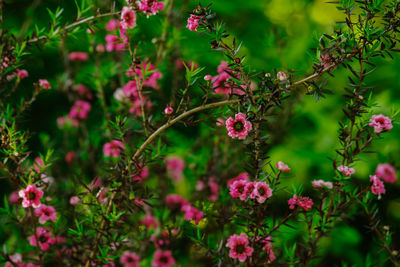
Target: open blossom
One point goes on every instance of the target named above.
(377, 186)
(163, 258)
(282, 167)
(386, 172)
(380, 123)
(74, 200)
(321, 183)
(44, 84)
(130, 259)
(238, 127)
(346, 170)
(305, 203)
(113, 148)
(22, 74)
(191, 213)
(44, 238)
(150, 7)
(282, 76)
(46, 213)
(237, 189)
(78, 56)
(193, 22)
(31, 196)
(239, 247)
(128, 18)
(168, 110)
(261, 192)
(79, 110)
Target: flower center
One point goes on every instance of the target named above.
(261, 191)
(164, 259)
(240, 249)
(238, 126)
(31, 195)
(42, 239)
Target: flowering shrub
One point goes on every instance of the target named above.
(147, 158)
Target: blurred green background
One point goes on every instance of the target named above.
(276, 34)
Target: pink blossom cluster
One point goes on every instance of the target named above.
(80, 110)
(239, 247)
(142, 173)
(380, 123)
(113, 148)
(322, 183)
(149, 221)
(78, 56)
(268, 249)
(244, 189)
(193, 22)
(241, 176)
(178, 203)
(147, 74)
(175, 167)
(150, 7)
(16, 260)
(384, 173)
(213, 188)
(22, 74)
(238, 127)
(346, 170)
(113, 41)
(305, 203)
(223, 82)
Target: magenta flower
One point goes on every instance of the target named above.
(346, 170)
(168, 110)
(114, 43)
(46, 213)
(163, 258)
(78, 56)
(44, 84)
(113, 148)
(193, 22)
(44, 238)
(282, 167)
(239, 247)
(386, 172)
(322, 183)
(143, 173)
(130, 259)
(112, 25)
(128, 18)
(241, 176)
(149, 221)
(380, 123)
(175, 202)
(74, 200)
(208, 77)
(79, 110)
(192, 213)
(261, 192)
(237, 189)
(268, 249)
(150, 7)
(214, 189)
(238, 127)
(175, 167)
(377, 187)
(31, 196)
(305, 203)
(150, 80)
(22, 74)
(16, 260)
(223, 82)
(38, 164)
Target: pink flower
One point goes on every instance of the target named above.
(346, 170)
(305, 203)
(241, 176)
(78, 56)
(149, 221)
(239, 247)
(113, 148)
(223, 82)
(44, 238)
(150, 7)
(130, 259)
(114, 43)
(261, 192)
(386, 172)
(282, 167)
(214, 188)
(100, 48)
(112, 25)
(175, 202)
(80, 110)
(175, 167)
(74, 200)
(44, 84)
(142, 71)
(192, 213)
(31, 196)
(168, 110)
(128, 18)
(238, 127)
(193, 22)
(143, 173)
(22, 74)
(268, 249)
(321, 183)
(377, 186)
(16, 260)
(46, 213)
(282, 76)
(84, 91)
(327, 60)
(208, 77)
(237, 189)
(380, 123)
(38, 164)
(96, 182)
(14, 197)
(220, 122)
(163, 258)
(69, 157)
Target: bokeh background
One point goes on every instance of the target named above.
(276, 34)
